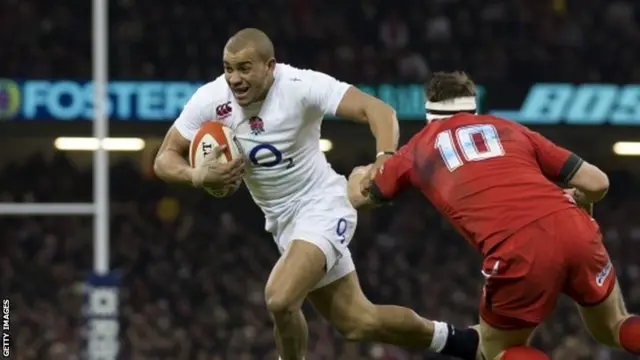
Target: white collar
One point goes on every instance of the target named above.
(447, 108)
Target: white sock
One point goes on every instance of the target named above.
(440, 335)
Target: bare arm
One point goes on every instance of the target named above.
(359, 201)
(559, 164)
(387, 181)
(592, 183)
(170, 164)
(364, 108)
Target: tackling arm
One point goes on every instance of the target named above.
(390, 179)
(591, 184)
(356, 198)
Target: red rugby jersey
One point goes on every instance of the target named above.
(488, 176)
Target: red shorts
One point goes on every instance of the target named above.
(560, 253)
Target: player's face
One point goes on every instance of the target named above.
(248, 75)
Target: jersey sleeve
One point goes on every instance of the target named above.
(393, 177)
(323, 92)
(556, 162)
(197, 110)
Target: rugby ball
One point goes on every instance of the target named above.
(210, 135)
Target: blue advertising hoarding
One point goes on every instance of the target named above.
(152, 101)
(72, 100)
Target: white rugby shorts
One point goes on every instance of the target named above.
(328, 222)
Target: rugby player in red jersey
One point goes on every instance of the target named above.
(494, 180)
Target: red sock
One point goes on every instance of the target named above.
(629, 335)
(524, 353)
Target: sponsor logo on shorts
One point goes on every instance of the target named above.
(604, 274)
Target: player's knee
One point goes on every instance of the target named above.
(280, 302)
(358, 326)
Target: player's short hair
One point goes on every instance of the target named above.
(449, 85)
(251, 37)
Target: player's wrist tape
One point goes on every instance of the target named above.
(383, 153)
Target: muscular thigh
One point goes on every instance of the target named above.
(313, 241)
(340, 301)
(328, 223)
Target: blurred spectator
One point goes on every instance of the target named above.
(530, 40)
(394, 33)
(412, 66)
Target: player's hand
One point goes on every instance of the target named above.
(360, 170)
(569, 194)
(577, 197)
(367, 180)
(215, 174)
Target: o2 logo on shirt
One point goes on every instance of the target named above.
(278, 157)
(466, 139)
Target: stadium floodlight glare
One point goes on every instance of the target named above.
(326, 145)
(92, 144)
(627, 148)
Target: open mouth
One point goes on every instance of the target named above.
(241, 91)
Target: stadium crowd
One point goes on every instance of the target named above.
(194, 270)
(358, 41)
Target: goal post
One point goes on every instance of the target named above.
(101, 308)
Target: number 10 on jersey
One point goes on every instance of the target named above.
(465, 138)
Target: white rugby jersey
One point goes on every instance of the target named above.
(279, 137)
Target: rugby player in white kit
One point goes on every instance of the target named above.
(275, 111)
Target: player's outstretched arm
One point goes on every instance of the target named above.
(560, 164)
(359, 201)
(170, 164)
(364, 108)
(388, 181)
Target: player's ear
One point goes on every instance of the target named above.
(271, 65)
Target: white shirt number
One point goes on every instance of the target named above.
(467, 145)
